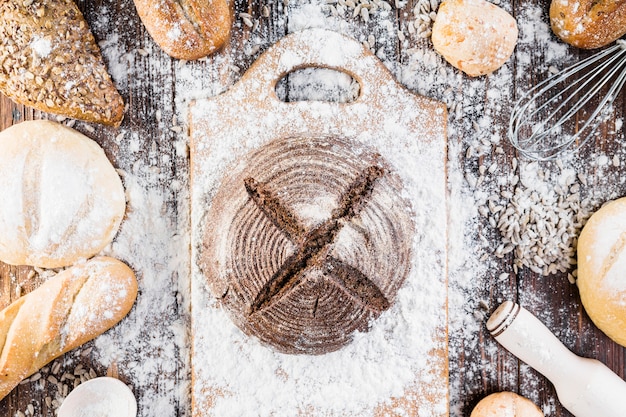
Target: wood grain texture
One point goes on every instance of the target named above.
(477, 367)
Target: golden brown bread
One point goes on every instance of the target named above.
(474, 36)
(49, 60)
(501, 404)
(66, 311)
(602, 269)
(62, 199)
(588, 23)
(186, 29)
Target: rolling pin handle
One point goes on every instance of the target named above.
(586, 387)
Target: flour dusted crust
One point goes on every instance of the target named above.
(49, 60)
(307, 241)
(66, 311)
(602, 269)
(62, 200)
(506, 404)
(186, 29)
(474, 36)
(588, 23)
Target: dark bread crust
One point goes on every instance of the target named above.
(307, 241)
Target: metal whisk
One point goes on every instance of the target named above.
(540, 120)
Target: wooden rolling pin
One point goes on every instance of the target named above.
(585, 387)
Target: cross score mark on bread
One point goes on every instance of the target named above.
(312, 246)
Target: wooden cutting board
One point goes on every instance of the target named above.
(409, 132)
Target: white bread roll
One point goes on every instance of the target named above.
(602, 269)
(474, 36)
(506, 404)
(66, 311)
(62, 200)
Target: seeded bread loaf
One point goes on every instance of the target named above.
(588, 24)
(49, 60)
(186, 29)
(65, 312)
(62, 200)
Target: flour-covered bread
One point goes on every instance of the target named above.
(49, 60)
(66, 311)
(186, 29)
(474, 36)
(588, 23)
(602, 269)
(62, 200)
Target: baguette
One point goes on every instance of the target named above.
(49, 60)
(66, 311)
(588, 24)
(186, 29)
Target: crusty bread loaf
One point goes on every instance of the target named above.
(62, 200)
(588, 23)
(506, 404)
(310, 241)
(474, 36)
(602, 269)
(186, 29)
(49, 60)
(66, 311)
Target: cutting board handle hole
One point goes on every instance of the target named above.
(318, 84)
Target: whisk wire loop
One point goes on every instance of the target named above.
(536, 126)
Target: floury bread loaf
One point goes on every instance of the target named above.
(49, 60)
(588, 23)
(62, 200)
(186, 29)
(602, 269)
(66, 311)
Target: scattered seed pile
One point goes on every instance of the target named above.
(540, 220)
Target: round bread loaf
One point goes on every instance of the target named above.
(474, 36)
(506, 404)
(588, 23)
(62, 200)
(306, 241)
(602, 269)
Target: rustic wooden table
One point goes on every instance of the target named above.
(154, 87)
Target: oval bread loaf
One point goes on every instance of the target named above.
(506, 404)
(588, 23)
(474, 36)
(62, 200)
(186, 29)
(602, 269)
(66, 311)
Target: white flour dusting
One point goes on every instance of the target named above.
(151, 346)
